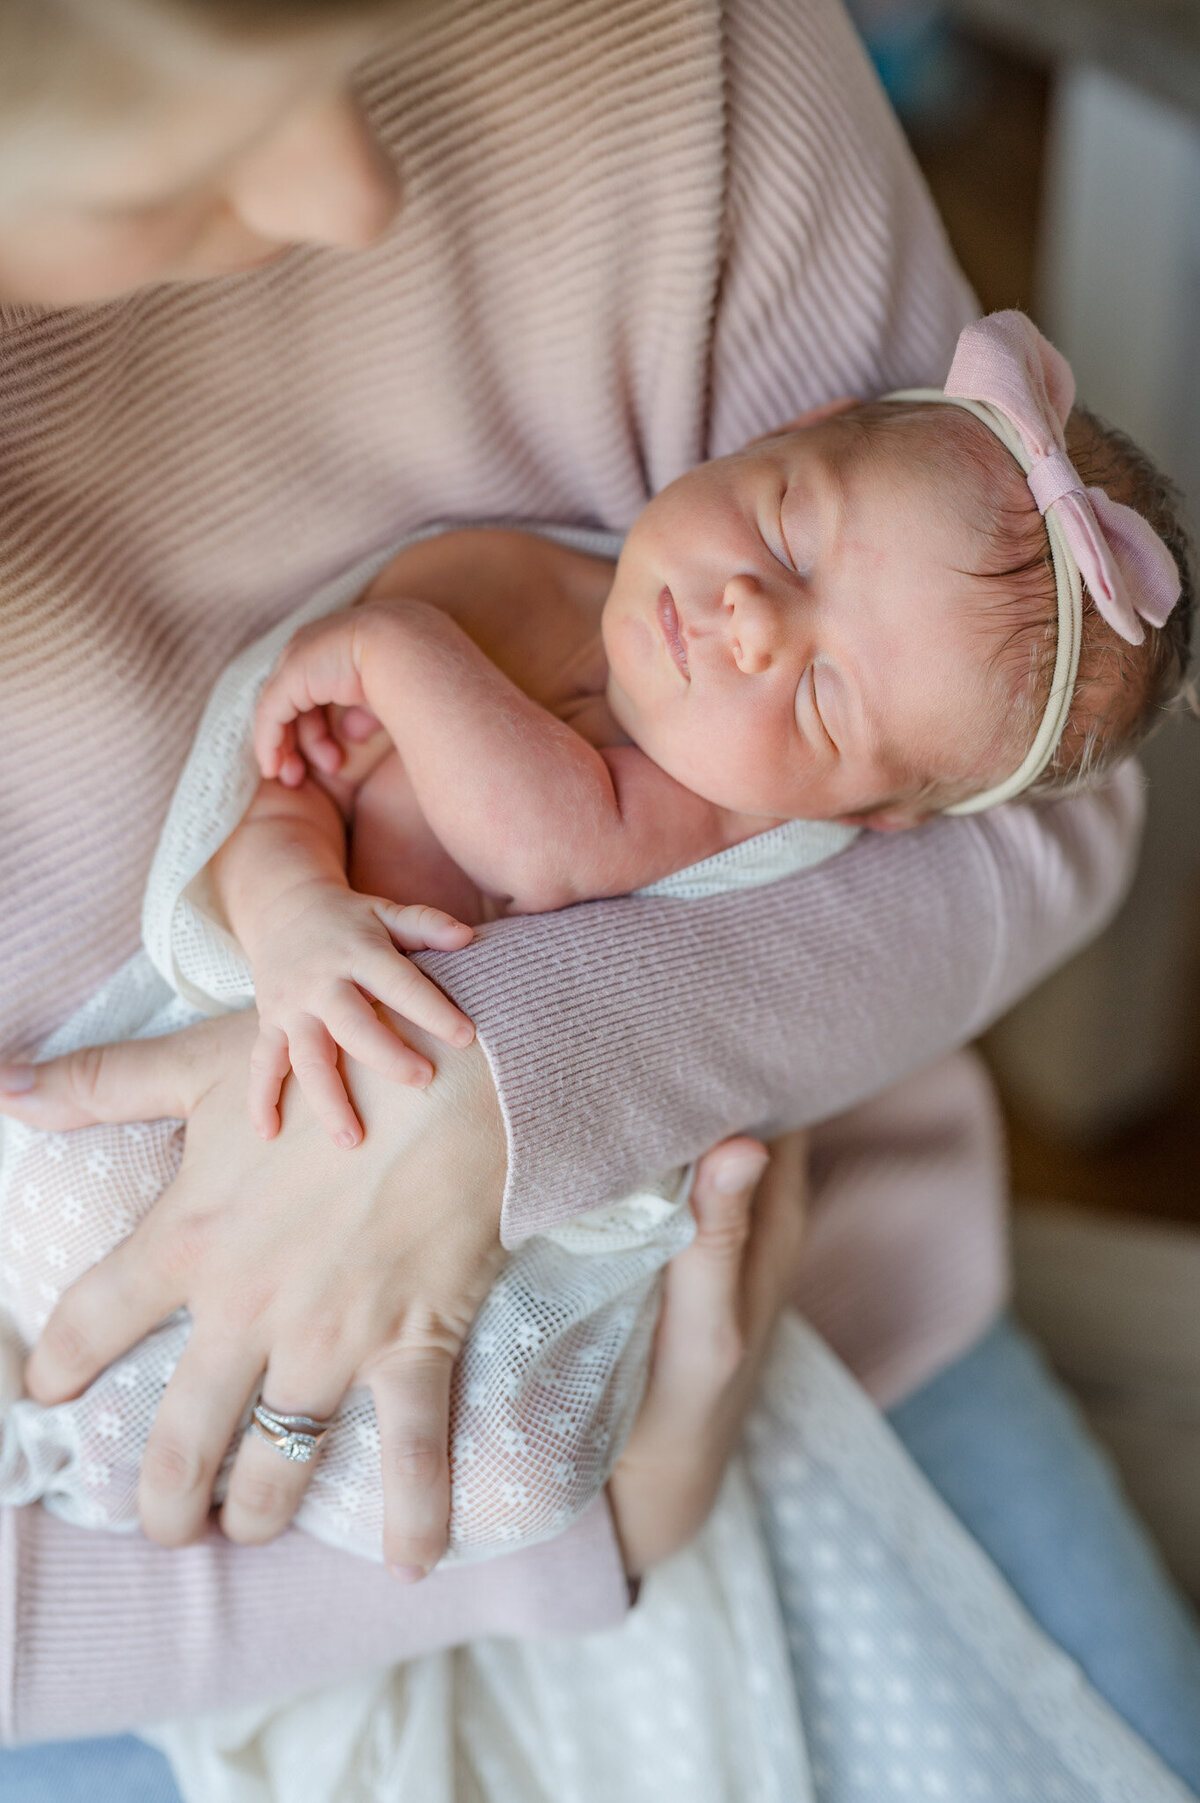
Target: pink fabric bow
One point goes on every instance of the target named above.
(1129, 573)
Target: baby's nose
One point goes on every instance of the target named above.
(753, 624)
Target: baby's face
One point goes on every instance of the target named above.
(789, 632)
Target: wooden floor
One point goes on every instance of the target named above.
(985, 173)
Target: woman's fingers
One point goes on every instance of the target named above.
(720, 1301)
(411, 1387)
(138, 1080)
(706, 1278)
(774, 1253)
(265, 1485)
(106, 1311)
(196, 1420)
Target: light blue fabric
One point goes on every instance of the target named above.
(124, 1770)
(1006, 1448)
(997, 1437)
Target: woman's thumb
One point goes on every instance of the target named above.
(703, 1303)
(139, 1080)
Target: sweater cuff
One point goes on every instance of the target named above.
(104, 1633)
(514, 982)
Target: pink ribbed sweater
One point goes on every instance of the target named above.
(635, 232)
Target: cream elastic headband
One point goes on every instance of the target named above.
(1015, 382)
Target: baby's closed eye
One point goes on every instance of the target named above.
(810, 716)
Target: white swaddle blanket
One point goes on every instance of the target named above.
(550, 1379)
(833, 1636)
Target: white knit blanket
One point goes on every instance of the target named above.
(834, 1636)
(552, 1372)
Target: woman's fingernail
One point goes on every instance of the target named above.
(17, 1079)
(738, 1172)
(407, 1574)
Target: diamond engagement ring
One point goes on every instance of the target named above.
(297, 1437)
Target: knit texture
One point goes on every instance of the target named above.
(141, 1633)
(635, 232)
(534, 339)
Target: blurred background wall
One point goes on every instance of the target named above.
(1061, 139)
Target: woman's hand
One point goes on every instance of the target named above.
(721, 1301)
(318, 1267)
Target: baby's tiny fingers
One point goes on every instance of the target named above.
(274, 743)
(317, 745)
(358, 724)
(417, 928)
(359, 1031)
(270, 1062)
(406, 990)
(314, 1062)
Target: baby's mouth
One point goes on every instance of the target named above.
(668, 620)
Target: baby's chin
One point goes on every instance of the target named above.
(623, 710)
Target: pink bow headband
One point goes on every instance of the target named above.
(1018, 385)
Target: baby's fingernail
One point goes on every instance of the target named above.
(17, 1079)
(407, 1574)
(738, 1171)
(345, 1140)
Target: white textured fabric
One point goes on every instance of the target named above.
(834, 1636)
(550, 1379)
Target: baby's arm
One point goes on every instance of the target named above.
(532, 812)
(318, 951)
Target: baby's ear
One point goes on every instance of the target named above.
(813, 417)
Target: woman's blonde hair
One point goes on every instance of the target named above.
(97, 58)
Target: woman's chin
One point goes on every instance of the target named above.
(213, 268)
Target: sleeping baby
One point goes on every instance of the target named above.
(931, 603)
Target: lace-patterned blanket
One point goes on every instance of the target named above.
(833, 1636)
(551, 1376)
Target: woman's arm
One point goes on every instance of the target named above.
(783, 1006)
(103, 1632)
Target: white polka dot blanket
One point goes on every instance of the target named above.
(833, 1636)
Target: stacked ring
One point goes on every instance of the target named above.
(297, 1437)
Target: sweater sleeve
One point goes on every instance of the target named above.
(626, 1036)
(116, 1642)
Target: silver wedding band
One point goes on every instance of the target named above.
(297, 1437)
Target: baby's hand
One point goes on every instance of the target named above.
(321, 952)
(320, 665)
